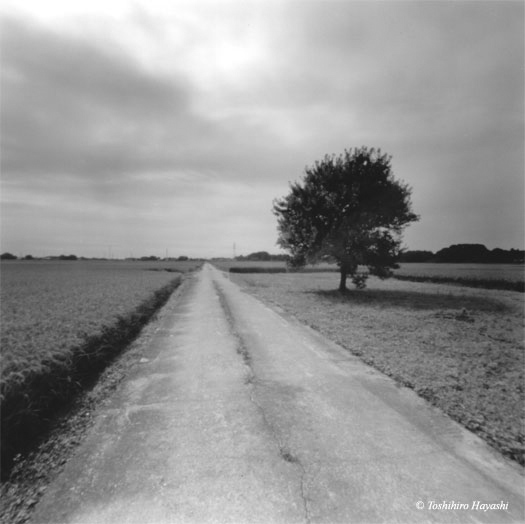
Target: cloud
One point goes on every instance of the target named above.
(73, 107)
(146, 114)
(76, 107)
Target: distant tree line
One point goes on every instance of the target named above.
(153, 258)
(263, 256)
(10, 256)
(466, 253)
(416, 256)
(457, 253)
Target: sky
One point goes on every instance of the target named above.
(137, 128)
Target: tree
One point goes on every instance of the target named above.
(259, 255)
(462, 253)
(350, 208)
(416, 256)
(7, 256)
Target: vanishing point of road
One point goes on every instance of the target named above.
(238, 414)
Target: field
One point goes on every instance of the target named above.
(489, 276)
(458, 347)
(511, 272)
(62, 321)
(266, 266)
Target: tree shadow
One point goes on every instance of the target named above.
(414, 300)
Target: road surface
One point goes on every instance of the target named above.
(236, 414)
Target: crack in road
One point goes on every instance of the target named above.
(285, 454)
(253, 383)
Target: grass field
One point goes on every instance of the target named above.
(62, 321)
(511, 272)
(509, 277)
(489, 276)
(458, 347)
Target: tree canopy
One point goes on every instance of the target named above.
(349, 208)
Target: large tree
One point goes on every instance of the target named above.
(349, 208)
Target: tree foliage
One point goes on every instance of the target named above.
(416, 256)
(350, 208)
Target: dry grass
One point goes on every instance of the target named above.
(458, 347)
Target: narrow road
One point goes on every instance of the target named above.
(239, 415)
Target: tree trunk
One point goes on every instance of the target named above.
(342, 282)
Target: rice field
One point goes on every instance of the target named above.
(49, 307)
(63, 320)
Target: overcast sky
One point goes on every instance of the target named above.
(132, 128)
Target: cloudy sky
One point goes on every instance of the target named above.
(132, 128)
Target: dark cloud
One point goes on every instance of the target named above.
(72, 107)
(83, 109)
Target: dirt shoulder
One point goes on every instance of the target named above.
(459, 348)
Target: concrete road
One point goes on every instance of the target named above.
(236, 414)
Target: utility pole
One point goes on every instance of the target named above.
(234, 253)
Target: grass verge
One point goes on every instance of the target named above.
(459, 348)
(31, 399)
